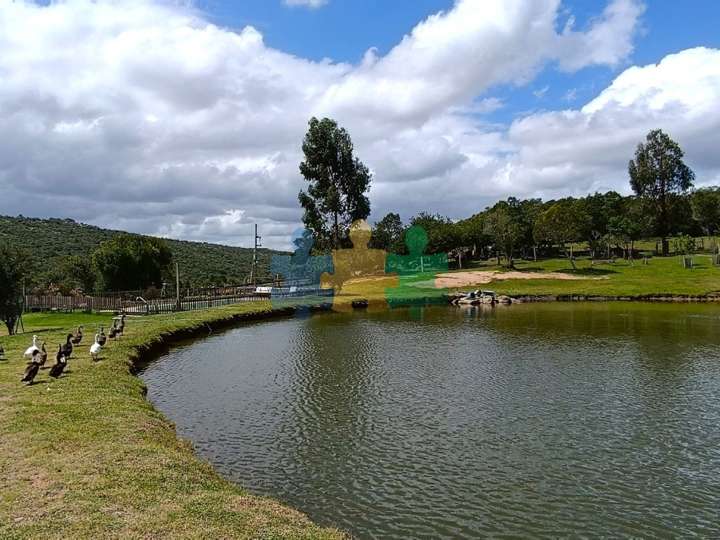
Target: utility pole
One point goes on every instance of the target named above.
(177, 286)
(257, 244)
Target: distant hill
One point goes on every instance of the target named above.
(201, 264)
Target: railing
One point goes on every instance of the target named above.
(135, 302)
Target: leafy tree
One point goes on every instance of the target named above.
(706, 209)
(388, 233)
(505, 228)
(78, 272)
(442, 234)
(129, 262)
(599, 209)
(624, 231)
(337, 181)
(559, 224)
(658, 174)
(13, 265)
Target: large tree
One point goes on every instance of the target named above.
(706, 209)
(131, 262)
(13, 265)
(388, 233)
(659, 176)
(504, 226)
(337, 183)
(561, 223)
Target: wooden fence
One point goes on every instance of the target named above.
(134, 302)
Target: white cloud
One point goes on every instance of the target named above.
(143, 116)
(306, 3)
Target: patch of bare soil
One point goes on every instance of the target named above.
(481, 277)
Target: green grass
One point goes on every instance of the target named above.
(663, 276)
(87, 456)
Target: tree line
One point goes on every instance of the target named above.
(663, 205)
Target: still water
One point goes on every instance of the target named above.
(529, 420)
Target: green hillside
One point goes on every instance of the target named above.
(201, 264)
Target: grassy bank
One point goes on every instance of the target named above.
(87, 456)
(661, 277)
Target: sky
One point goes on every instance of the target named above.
(185, 118)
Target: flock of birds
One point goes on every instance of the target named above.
(38, 355)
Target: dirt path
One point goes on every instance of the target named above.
(480, 277)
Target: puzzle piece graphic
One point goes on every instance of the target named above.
(359, 273)
(301, 273)
(416, 271)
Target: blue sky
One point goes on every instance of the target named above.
(342, 30)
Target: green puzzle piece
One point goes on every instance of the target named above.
(416, 272)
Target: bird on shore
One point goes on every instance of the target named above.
(43, 354)
(77, 338)
(67, 349)
(102, 340)
(95, 348)
(32, 348)
(32, 368)
(59, 366)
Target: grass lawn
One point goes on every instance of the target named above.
(87, 456)
(662, 276)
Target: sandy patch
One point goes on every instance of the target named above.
(481, 277)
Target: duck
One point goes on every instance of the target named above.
(96, 348)
(77, 338)
(43, 354)
(121, 326)
(102, 340)
(32, 348)
(113, 332)
(59, 366)
(32, 368)
(67, 349)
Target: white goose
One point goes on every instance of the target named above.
(32, 348)
(96, 347)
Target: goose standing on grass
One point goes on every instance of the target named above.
(59, 366)
(102, 340)
(32, 348)
(43, 354)
(32, 368)
(113, 331)
(77, 338)
(95, 348)
(67, 349)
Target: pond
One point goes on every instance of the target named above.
(444, 422)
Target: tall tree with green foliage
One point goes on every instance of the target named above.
(659, 176)
(337, 183)
(387, 233)
(442, 233)
(504, 226)
(706, 209)
(559, 224)
(13, 265)
(129, 262)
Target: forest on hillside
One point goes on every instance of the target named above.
(51, 242)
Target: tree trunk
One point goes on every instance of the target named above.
(535, 253)
(336, 233)
(665, 246)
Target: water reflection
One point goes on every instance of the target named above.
(528, 420)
